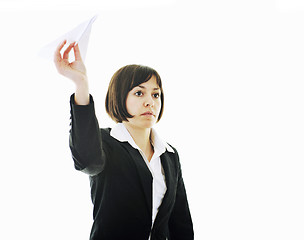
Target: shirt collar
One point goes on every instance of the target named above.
(121, 133)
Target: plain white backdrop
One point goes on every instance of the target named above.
(233, 81)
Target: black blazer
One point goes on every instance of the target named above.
(121, 185)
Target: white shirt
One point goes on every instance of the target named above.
(159, 187)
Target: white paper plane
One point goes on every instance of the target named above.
(79, 34)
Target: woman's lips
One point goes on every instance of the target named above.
(148, 114)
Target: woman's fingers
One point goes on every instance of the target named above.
(75, 70)
(57, 55)
(77, 53)
(67, 51)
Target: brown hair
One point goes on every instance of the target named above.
(122, 82)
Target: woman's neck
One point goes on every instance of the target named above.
(141, 137)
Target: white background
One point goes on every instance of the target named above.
(233, 81)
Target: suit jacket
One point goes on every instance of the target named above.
(121, 185)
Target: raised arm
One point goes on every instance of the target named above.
(85, 137)
(76, 71)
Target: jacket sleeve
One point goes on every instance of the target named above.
(180, 222)
(85, 138)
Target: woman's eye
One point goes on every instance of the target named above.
(156, 95)
(139, 93)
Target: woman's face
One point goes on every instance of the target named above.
(144, 103)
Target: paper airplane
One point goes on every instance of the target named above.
(79, 34)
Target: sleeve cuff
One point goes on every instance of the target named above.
(81, 114)
(72, 101)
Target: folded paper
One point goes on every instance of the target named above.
(79, 34)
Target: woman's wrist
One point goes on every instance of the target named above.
(82, 96)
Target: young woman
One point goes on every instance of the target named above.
(136, 183)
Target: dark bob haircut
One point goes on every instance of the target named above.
(122, 82)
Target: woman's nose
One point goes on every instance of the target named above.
(149, 102)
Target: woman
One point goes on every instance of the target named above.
(136, 183)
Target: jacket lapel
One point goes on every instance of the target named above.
(171, 181)
(144, 174)
(146, 180)
(169, 175)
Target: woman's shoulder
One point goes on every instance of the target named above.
(105, 131)
(173, 153)
(105, 134)
(107, 139)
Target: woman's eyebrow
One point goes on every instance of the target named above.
(145, 87)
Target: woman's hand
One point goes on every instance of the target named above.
(75, 71)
